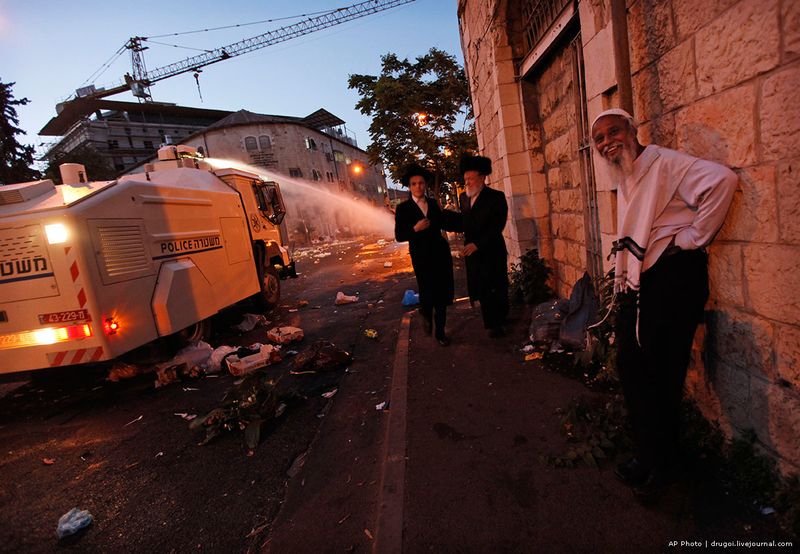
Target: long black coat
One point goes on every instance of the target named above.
(430, 252)
(483, 226)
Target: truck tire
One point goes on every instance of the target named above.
(270, 293)
(194, 333)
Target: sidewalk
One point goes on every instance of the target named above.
(480, 422)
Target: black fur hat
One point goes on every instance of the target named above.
(414, 170)
(480, 164)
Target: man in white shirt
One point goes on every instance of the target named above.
(669, 208)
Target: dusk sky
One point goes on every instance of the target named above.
(50, 47)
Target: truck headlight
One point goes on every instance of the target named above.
(56, 233)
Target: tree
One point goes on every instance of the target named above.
(17, 158)
(98, 167)
(415, 108)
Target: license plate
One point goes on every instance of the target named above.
(62, 317)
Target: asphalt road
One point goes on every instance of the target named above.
(120, 451)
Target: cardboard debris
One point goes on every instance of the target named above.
(168, 374)
(533, 356)
(250, 322)
(342, 298)
(267, 354)
(121, 371)
(302, 303)
(320, 356)
(285, 335)
(48, 461)
(387, 264)
(215, 360)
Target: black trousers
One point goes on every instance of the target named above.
(437, 312)
(652, 370)
(494, 305)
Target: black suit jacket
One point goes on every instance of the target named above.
(483, 226)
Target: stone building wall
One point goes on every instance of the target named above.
(718, 80)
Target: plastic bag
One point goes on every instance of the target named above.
(410, 298)
(72, 522)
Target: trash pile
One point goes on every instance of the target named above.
(561, 324)
(320, 357)
(246, 407)
(244, 360)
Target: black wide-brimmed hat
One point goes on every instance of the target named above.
(480, 164)
(412, 171)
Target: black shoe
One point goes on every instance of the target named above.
(496, 333)
(444, 340)
(633, 473)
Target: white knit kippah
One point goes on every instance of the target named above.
(614, 111)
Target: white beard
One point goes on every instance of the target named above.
(622, 168)
(473, 191)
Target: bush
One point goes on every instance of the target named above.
(529, 280)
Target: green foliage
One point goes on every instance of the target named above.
(434, 85)
(529, 280)
(97, 166)
(15, 159)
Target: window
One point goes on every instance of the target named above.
(148, 144)
(127, 130)
(113, 144)
(311, 144)
(250, 144)
(264, 142)
(338, 156)
(270, 202)
(295, 172)
(316, 175)
(130, 142)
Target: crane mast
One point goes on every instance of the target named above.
(140, 79)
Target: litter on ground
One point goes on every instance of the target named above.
(285, 335)
(73, 521)
(533, 356)
(342, 298)
(320, 356)
(371, 333)
(246, 360)
(250, 322)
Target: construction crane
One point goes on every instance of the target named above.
(140, 79)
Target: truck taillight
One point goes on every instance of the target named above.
(110, 326)
(48, 335)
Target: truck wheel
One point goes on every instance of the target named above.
(270, 293)
(194, 333)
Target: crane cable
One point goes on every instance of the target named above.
(103, 68)
(243, 24)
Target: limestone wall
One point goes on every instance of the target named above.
(718, 79)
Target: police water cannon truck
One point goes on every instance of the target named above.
(92, 270)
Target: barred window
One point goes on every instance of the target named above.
(538, 16)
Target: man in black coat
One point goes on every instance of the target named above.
(484, 211)
(420, 221)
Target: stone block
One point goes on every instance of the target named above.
(780, 114)
(521, 207)
(691, 15)
(741, 340)
(753, 215)
(737, 45)
(518, 185)
(541, 204)
(525, 229)
(559, 149)
(538, 182)
(599, 63)
(791, 29)
(720, 128)
(560, 250)
(508, 94)
(787, 349)
(514, 139)
(725, 275)
(773, 281)
(659, 131)
(593, 17)
(559, 122)
(676, 79)
(732, 387)
(518, 163)
(650, 32)
(607, 211)
(576, 255)
(503, 54)
(504, 73)
(510, 116)
(647, 102)
(789, 206)
(775, 414)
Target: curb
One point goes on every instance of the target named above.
(389, 524)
